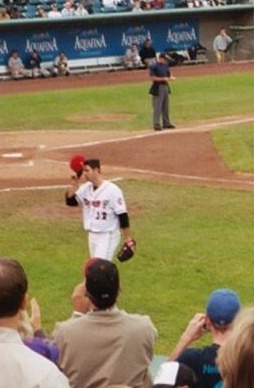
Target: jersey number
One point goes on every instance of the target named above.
(101, 216)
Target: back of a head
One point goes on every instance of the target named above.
(13, 287)
(236, 355)
(173, 374)
(102, 283)
(222, 306)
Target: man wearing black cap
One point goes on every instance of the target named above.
(221, 308)
(160, 90)
(107, 345)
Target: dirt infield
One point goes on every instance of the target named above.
(184, 155)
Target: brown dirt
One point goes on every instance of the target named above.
(185, 155)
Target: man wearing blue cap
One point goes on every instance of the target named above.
(221, 308)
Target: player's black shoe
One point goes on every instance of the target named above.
(157, 128)
(170, 126)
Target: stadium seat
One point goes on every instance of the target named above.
(31, 11)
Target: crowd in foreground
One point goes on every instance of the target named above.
(101, 345)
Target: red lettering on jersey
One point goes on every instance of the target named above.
(96, 203)
(86, 202)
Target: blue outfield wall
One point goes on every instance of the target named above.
(92, 38)
(81, 42)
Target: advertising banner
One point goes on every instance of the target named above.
(97, 40)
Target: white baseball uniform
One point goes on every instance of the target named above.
(101, 207)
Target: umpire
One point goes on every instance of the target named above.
(160, 90)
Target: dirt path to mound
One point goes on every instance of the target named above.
(185, 155)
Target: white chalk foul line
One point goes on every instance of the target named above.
(204, 127)
(51, 187)
(140, 171)
(191, 177)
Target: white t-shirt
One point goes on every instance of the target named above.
(21, 367)
(101, 207)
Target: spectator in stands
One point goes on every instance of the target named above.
(109, 4)
(221, 44)
(20, 366)
(107, 345)
(60, 65)
(68, 10)
(4, 14)
(175, 375)
(41, 12)
(88, 5)
(54, 13)
(146, 5)
(15, 13)
(137, 6)
(35, 64)
(158, 4)
(81, 305)
(33, 335)
(236, 355)
(17, 68)
(221, 309)
(147, 53)
(79, 10)
(132, 58)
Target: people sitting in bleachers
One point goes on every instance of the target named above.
(41, 12)
(60, 65)
(88, 5)
(158, 4)
(4, 15)
(132, 58)
(79, 10)
(68, 10)
(109, 4)
(15, 12)
(54, 13)
(137, 6)
(16, 67)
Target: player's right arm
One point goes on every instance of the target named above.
(70, 195)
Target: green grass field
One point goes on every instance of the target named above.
(191, 239)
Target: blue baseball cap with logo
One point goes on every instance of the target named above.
(222, 306)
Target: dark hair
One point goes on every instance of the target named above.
(13, 286)
(185, 376)
(93, 163)
(102, 283)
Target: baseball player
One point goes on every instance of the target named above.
(104, 210)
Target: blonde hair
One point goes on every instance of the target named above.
(25, 328)
(236, 355)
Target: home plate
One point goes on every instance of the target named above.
(13, 155)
